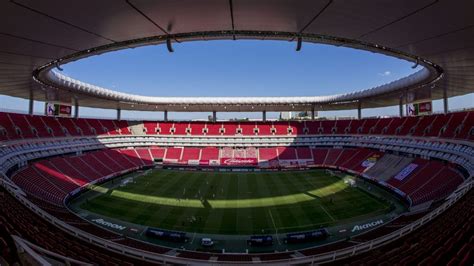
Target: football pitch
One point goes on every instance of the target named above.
(235, 202)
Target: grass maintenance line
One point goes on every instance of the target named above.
(233, 203)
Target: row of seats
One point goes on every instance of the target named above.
(20, 221)
(53, 179)
(447, 240)
(453, 125)
(20, 126)
(430, 180)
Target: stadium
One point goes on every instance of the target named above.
(306, 190)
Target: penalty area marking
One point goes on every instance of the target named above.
(274, 226)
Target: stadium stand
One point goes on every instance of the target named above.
(451, 245)
(388, 166)
(49, 180)
(60, 175)
(454, 125)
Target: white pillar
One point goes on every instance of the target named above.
(359, 110)
(31, 103)
(76, 108)
(401, 105)
(445, 100)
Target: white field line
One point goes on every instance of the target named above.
(330, 216)
(274, 226)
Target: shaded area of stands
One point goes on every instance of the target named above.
(20, 221)
(52, 179)
(447, 240)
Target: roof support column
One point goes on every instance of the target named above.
(165, 115)
(445, 100)
(313, 114)
(359, 110)
(214, 116)
(400, 106)
(76, 108)
(264, 116)
(119, 114)
(31, 103)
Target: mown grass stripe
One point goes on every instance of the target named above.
(236, 203)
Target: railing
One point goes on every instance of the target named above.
(37, 253)
(320, 258)
(418, 146)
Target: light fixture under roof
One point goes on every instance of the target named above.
(416, 64)
(59, 67)
(168, 45)
(299, 43)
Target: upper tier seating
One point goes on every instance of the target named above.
(122, 126)
(453, 125)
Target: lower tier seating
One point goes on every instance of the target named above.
(417, 179)
(447, 240)
(52, 179)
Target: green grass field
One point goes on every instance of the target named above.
(235, 203)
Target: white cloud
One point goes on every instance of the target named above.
(385, 74)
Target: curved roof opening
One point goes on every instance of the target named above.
(239, 68)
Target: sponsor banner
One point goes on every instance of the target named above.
(214, 162)
(369, 162)
(421, 108)
(406, 171)
(109, 224)
(170, 161)
(366, 226)
(54, 109)
(204, 162)
(273, 163)
(305, 162)
(238, 161)
(286, 162)
(193, 162)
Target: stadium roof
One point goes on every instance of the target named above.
(37, 36)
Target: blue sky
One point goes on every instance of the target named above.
(237, 68)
